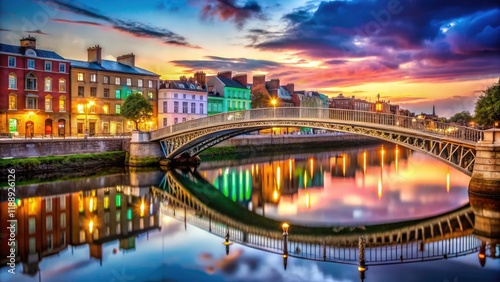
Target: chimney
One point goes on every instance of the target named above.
(183, 79)
(28, 42)
(94, 54)
(225, 74)
(127, 59)
(290, 87)
(191, 80)
(200, 77)
(259, 79)
(274, 84)
(241, 79)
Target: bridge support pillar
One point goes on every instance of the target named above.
(485, 179)
(143, 152)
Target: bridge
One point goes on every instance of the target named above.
(454, 145)
(188, 197)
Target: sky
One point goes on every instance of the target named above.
(413, 53)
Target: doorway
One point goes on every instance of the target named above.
(30, 127)
(61, 125)
(48, 126)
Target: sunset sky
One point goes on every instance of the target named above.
(414, 53)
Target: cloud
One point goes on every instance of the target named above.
(409, 40)
(76, 22)
(37, 31)
(228, 10)
(214, 63)
(133, 28)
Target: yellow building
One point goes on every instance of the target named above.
(99, 89)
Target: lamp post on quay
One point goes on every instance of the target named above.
(285, 244)
(90, 104)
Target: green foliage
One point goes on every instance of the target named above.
(487, 109)
(462, 118)
(260, 100)
(137, 109)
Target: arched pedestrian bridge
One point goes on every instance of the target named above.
(454, 145)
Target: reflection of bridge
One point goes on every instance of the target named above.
(455, 145)
(201, 205)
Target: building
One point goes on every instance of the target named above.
(34, 91)
(311, 99)
(228, 93)
(264, 92)
(99, 88)
(352, 103)
(180, 100)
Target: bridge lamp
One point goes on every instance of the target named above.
(496, 124)
(285, 226)
(226, 242)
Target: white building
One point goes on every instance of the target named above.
(180, 100)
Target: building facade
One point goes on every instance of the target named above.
(227, 93)
(34, 91)
(265, 92)
(100, 87)
(180, 100)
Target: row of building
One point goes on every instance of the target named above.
(44, 94)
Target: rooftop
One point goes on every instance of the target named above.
(6, 48)
(112, 66)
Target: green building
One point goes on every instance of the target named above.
(227, 93)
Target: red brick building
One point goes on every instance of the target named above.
(34, 91)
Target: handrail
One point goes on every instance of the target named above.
(328, 114)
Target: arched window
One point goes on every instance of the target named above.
(48, 84)
(48, 103)
(62, 104)
(12, 101)
(31, 82)
(12, 81)
(62, 85)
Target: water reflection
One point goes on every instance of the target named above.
(363, 185)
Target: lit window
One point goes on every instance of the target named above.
(139, 82)
(62, 104)
(129, 82)
(12, 102)
(48, 84)
(117, 81)
(81, 108)
(63, 220)
(93, 77)
(62, 85)
(118, 108)
(12, 81)
(118, 94)
(105, 79)
(79, 76)
(150, 84)
(150, 95)
(48, 103)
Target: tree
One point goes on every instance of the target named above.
(260, 100)
(487, 109)
(137, 109)
(462, 118)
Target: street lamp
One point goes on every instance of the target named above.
(285, 226)
(226, 242)
(362, 262)
(90, 104)
(274, 101)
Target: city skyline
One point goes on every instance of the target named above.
(415, 54)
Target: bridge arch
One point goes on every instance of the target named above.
(451, 144)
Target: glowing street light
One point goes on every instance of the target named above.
(274, 101)
(90, 104)
(226, 242)
(285, 227)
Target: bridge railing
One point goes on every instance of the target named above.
(327, 114)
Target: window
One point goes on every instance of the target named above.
(129, 82)
(183, 96)
(62, 104)
(140, 93)
(176, 120)
(62, 85)
(80, 108)
(62, 67)
(12, 102)
(175, 95)
(139, 82)
(48, 84)
(12, 62)
(165, 107)
(201, 98)
(31, 64)
(31, 225)
(117, 81)
(183, 119)
(150, 84)
(105, 79)
(150, 95)
(93, 91)
(32, 245)
(32, 102)
(31, 82)
(48, 103)
(117, 108)
(201, 108)
(48, 223)
(48, 66)
(193, 108)
(184, 107)
(80, 91)
(62, 202)
(63, 220)
(105, 108)
(165, 122)
(128, 93)
(176, 107)
(118, 94)
(193, 97)
(93, 77)
(79, 129)
(79, 76)
(12, 81)
(48, 204)
(106, 92)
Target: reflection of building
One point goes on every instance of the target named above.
(235, 184)
(34, 90)
(47, 225)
